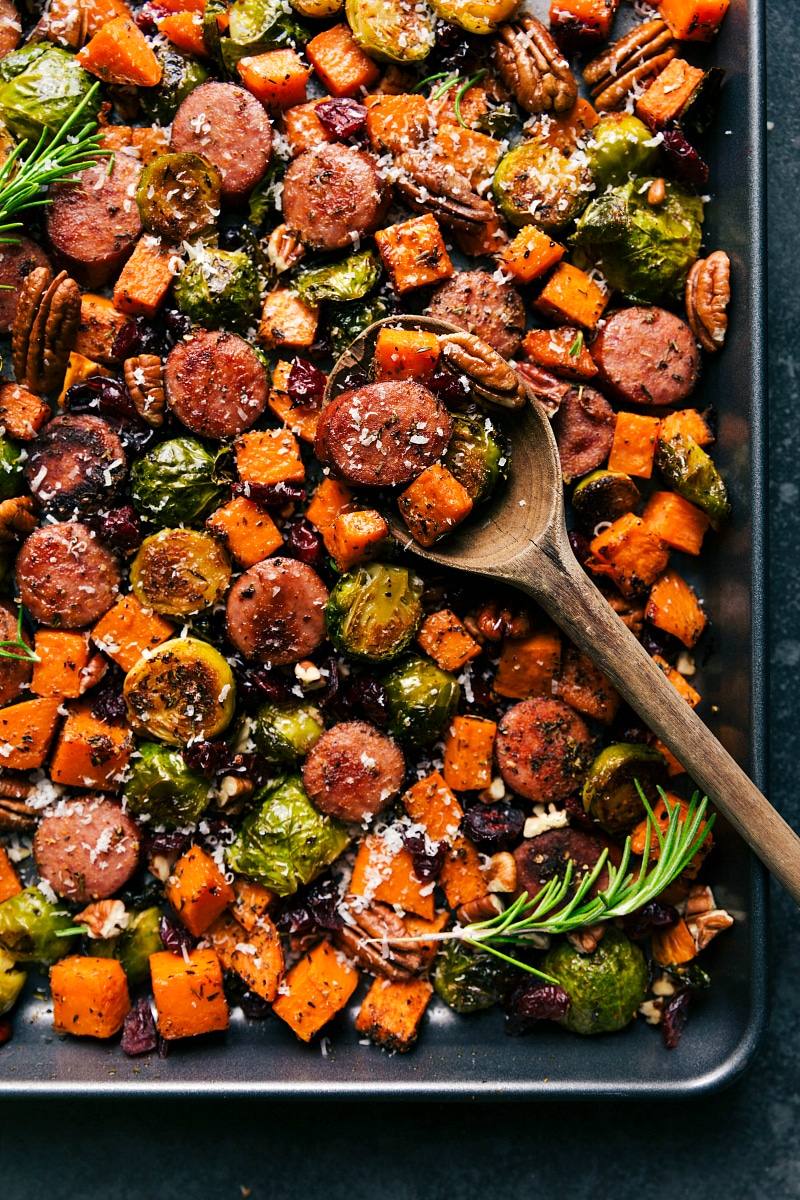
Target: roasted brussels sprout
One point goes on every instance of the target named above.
(471, 980)
(253, 20)
(180, 75)
(12, 479)
(30, 925)
(610, 794)
(478, 455)
(41, 87)
(476, 16)
(374, 611)
(346, 322)
(286, 842)
(620, 146)
(179, 572)
(218, 288)
(284, 734)
(604, 496)
(175, 483)
(318, 9)
(605, 988)
(184, 690)
(392, 30)
(692, 474)
(349, 279)
(164, 788)
(535, 184)
(179, 196)
(12, 981)
(644, 251)
(422, 699)
(134, 945)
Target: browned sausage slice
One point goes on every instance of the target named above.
(93, 224)
(546, 857)
(543, 749)
(353, 771)
(333, 195)
(66, 577)
(76, 464)
(647, 356)
(216, 384)
(275, 611)
(227, 126)
(88, 849)
(16, 263)
(475, 301)
(584, 429)
(383, 434)
(548, 389)
(14, 672)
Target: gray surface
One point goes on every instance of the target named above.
(744, 1143)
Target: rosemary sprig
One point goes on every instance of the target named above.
(17, 643)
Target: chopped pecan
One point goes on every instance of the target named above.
(144, 379)
(16, 816)
(14, 785)
(431, 185)
(502, 873)
(69, 26)
(533, 68)
(708, 293)
(45, 329)
(369, 956)
(496, 620)
(481, 909)
(700, 900)
(17, 519)
(92, 673)
(657, 193)
(492, 379)
(234, 792)
(104, 918)
(706, 925)
(284, 248)
(639, 56)
(586, 939)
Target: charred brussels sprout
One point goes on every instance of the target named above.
(30, 925)
(184, 690)
(422, 699)
(317, 8)
(349, 279)
(644, 250)
(620, 146)
(605, 988)
(285, 734)
(610, 794)
(476, 16)
(179, 572)
(346, 322)
(41, 88)
(133, 947)
(286, 842)
(179, 196)
(218, 288)
(477, 455)
(392, 30)
(471, 980)
(373, 612)
(691, 473)
(12, 981)
(180, 75)
(162, 787)
(175, 483)
(535, 184)
(604, 496)
(12, 479)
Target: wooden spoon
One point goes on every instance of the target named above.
(520, 537)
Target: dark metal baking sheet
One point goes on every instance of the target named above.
(470, 1057)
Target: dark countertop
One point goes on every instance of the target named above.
(744, 1143)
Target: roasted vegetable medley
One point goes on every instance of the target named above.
(254, 753)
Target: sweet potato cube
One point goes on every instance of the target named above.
(630, 553)
(247, 531)
(566, 130)
(588, 20)
(302, 419)
(673, 766)
(682, 685)
(223, 936)
(355, 537)
(304, 130)
(197, 890)
(688, 423)
(414, 253)
(693, 20)
(667, 94)
(91, 753)
(62, 657)
(634, 445)
(315, 990)
(474, 155)
(152, 141)
(185, 30)
(330, 499)
(529, 665)
(286, 320)
(468, 753)
(562, 351)
(26, 731)
(79, 368)
(100, 323)
(673, 607)
(258, 959)
(269, 456)
(90, 996)
(461, 878)
(277, 78)
(585, 688)
(120, 53)
(251, 903)
(446, 640)
(9, 882)
(434, 504)
(380, 873)
(673, 946)
(474, 105)
(391, 1012)
(431, 803)
(405, 354)
(189, 995)
(396, 123)
(677, 522)
(342, 66)
(147, 276)
(22, 414)
(129, 629)
(530, 254)
(571, 297)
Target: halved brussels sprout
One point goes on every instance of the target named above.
(218, 288)
(164, 788)
(605, 987)
(476, 16)
(12, 479)
(180, 75)
(284, 734)
(252, 20)
(620, 145)
(392, 30)
(535, 184)
(179, 196)
(349, 279)
(610, 794)
(604, 496)
(374, 611)
(179, 572)
(134, 945)
(183, 691)
(692, 474)
(317, 9)
(30, 925)
(346, 322)
(42, 86)
(12, 981)
(286, 842)
(644, 250)
(422, 699)
(471, 980)
(478, 455)
(175, 483)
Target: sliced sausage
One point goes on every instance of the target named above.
(14, 672)
(383, 434)
(647, 356)
(216, 384)
(66, 577)
(88, 849)
(546, 388)
(584, 429)
(76, 464)
(93, 223)
(353, 771)
(543, 749)
(547, 856)
(275, 611)
(476, 302)
(16, 263)
(332, 195)
(230, 128)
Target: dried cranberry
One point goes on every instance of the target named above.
(674, 1017)
(146, 21)
(120, 527)
(312, 907)
(683, 158)
(640, 924)
(449, 389)
(355, 379)
(211, 759)
(230, 238)
(658, 641)
(531, 1002)
(134, 435)
(177, 323)
(365, 695)
(257, 684)
(107, 395)
(341, 118)
(301, 540)
(138, 336)
(481, 693)
(254, 1007)
(306, 383)
(427, 863)
(139, 1035)
(271, 495)
(167, 844)
(578, 815)
(107, 703)
(492, 825)
(5, 1030)
(455, 50)
(175, 937)
(580, 546)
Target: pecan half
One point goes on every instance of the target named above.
(640, 55)
(586, 939)
(144, 379)
(14, 785)
(492, 379)
(431, 185)
(533, 68)
(368, 955)
(16, 816)
(104, 919)
(45, 329)
(17, 519)
(707, 925)
(708, 293)
(482, 909)
(284, 248)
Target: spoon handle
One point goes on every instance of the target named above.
(560, 586)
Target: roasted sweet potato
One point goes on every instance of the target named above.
(530, 254)
(9, 882)
(431, 803)
(391, 1012)
(461, 879)
(355, 537)
(528, 665)
(630, 553)
(468, 747)
(259, 960)
(405, 354)
(571, 297)
(673, 607)
(147, 276)
(315, 990)
(329, 500)
(434, 504)
(382, 874)
(90, 996)
(677, 522)
(562, 351)
(91, 753)
(414, 253)
(188, 992)
(197, 890)
(62, 656)
(247, 531)
(634, 446)
(443, 636)
(26, 731)
(269, 456)
(129, 629)
(101, 322)
(342, 66)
